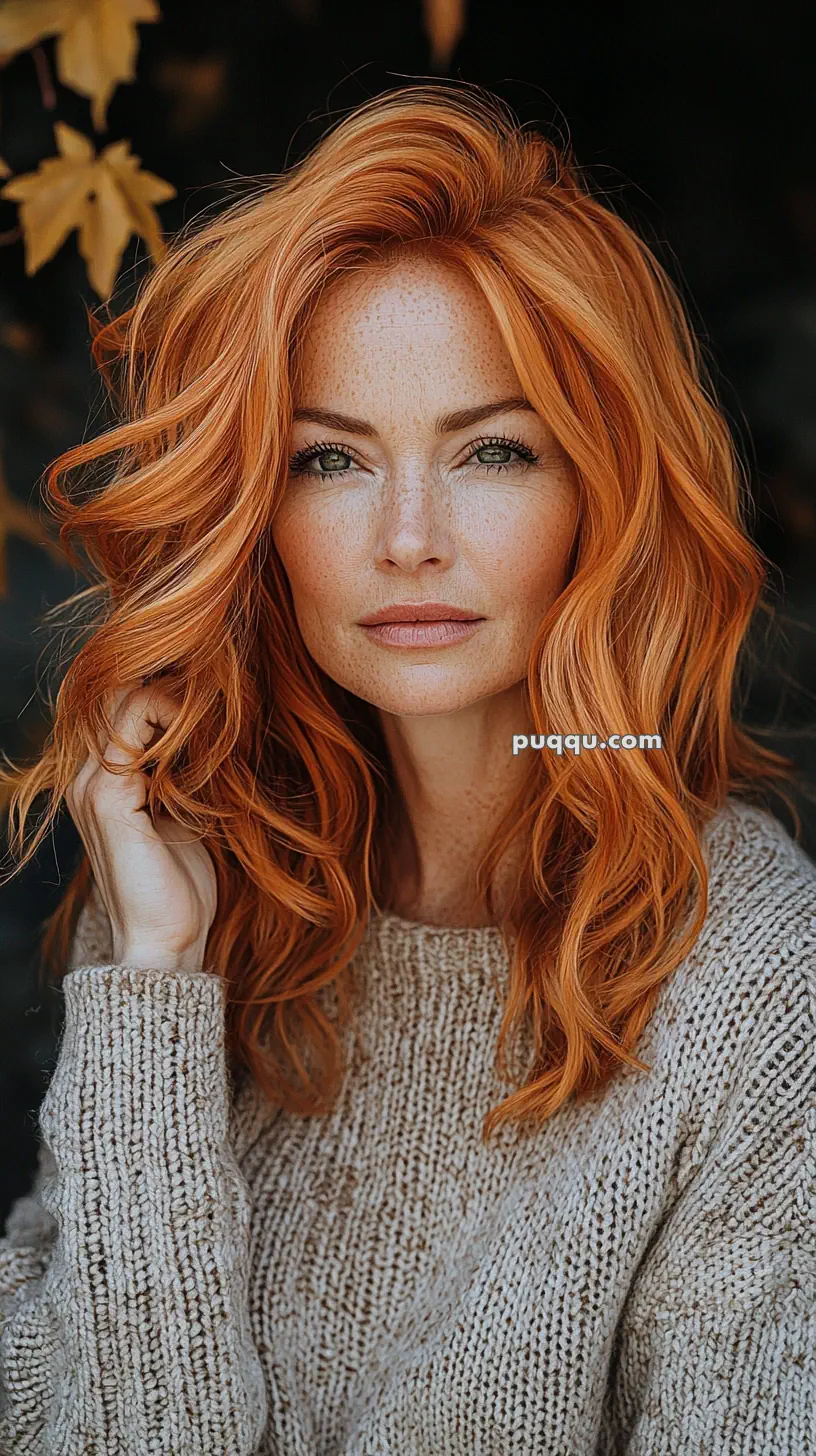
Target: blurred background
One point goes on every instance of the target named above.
(697, 122)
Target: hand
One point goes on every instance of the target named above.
(156, 881)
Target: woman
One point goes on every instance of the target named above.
(417, 464)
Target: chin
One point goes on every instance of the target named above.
(424, 690)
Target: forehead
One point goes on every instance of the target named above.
(412, 321)
(382, 293)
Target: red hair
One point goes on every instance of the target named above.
(285, 775)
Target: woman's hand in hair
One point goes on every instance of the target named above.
(156, 881)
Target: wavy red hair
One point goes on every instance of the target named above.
(283, 774)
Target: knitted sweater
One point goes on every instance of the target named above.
(199, 1273)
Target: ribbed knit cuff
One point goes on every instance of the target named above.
(141, 1068)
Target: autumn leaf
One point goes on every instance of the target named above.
(5, 169)
(53, 198)
(97, 41)
(106, 197)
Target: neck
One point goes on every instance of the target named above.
(458, 776)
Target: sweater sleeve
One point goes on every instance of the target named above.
(717, 1346)
(124, 1324)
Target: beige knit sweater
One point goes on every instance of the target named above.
(198, 1274)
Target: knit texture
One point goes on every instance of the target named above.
(198, 1273)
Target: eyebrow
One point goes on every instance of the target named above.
(445, 425)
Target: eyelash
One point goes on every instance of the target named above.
(301, 458)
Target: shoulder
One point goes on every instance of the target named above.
(761, 910)
(730, 1105)
(734, 1029)
(760, 926)
(757, 870)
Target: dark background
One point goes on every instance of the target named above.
(695, 121)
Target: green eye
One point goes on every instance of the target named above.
(302, 459)
(336, 454)
(506, 449)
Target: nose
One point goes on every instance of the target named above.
(415, 527)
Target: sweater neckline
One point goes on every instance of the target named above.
(424, 927)
(413, 958)
(396, 932)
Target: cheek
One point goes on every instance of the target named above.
(521, 547)
(320, 550)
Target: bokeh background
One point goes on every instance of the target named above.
(696, 122)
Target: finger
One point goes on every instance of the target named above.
(134, 715)
(94, 757)
(135, 719)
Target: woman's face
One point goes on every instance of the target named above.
(395, 504)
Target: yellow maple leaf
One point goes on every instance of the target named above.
(97, 41)
(106, 197)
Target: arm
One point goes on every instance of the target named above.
(124, 1325)
(717, 1346)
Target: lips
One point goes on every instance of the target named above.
(421, 624)
(420, 612)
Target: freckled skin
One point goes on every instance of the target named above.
(411, 515)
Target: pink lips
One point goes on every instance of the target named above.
(421, 624)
